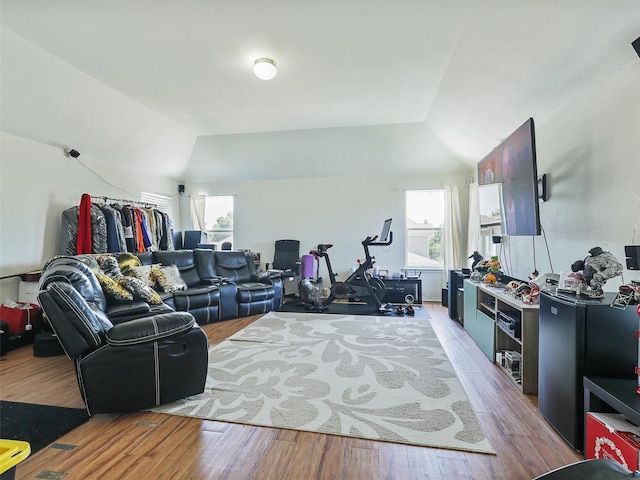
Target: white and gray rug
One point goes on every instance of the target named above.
(379, 378)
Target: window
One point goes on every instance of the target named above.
(218, 219)
(161, 201)
(425, 210)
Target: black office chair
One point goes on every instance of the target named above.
(192, 238)
(177, 239)
(286, 263)
(286, 257)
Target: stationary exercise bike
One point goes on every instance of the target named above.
(360, 285)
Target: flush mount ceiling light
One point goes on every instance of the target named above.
(265, 68)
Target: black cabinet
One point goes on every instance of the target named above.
(580, 337)
(403, 290)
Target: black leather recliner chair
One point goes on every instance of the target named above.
(255, 294)
(136, 364)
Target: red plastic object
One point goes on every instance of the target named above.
(20, 320)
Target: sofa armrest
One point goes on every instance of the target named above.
(282, 274)
(286, 273)
(215, 280)
(150, 329)
(270, 277)
(127, 310)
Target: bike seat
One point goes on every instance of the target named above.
(323, 247)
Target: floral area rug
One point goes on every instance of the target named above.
(378, 378)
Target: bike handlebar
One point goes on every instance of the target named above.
(372, 241)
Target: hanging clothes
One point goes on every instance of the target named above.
(98, 230)
(138, 231)
(129, 223)
(115, 231)
(69, 231)
(83, 242)
(144, 229)
(114, 228)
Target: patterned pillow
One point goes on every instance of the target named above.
(140, 290)
(113, 290)
(144, 273)
(126, 261)
(168, 278)
(109, 266)
(89, 261)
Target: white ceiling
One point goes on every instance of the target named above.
(468, 72)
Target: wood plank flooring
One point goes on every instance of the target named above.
(145, 445)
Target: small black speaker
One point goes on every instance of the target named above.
(636, 45)
(180, 188)
(632, 252)
(496, 239)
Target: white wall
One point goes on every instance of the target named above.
(51, 102)
(396, 149)
(38, 182)
(589, 150)
(591, 154)
(338, 210)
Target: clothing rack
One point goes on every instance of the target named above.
(124, 201)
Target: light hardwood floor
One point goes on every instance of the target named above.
(144, 445)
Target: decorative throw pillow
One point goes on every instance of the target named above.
(140, 290)
(168, 278)
(109, 266)
(90, 261)
(143, 272)
(113, 290)
(126, 261)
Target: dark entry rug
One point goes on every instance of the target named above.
(350, 308)
(39, 425)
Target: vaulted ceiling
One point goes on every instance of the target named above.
(402, 86)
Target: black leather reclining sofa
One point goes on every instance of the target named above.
(222, 284)
(126, 358)
(135, 354)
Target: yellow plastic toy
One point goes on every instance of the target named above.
(12, 452)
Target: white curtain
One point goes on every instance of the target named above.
(453, 229)
(473, 240)
(198, 203)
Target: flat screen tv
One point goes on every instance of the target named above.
(512, 165)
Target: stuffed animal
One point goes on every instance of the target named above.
(597, 268)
